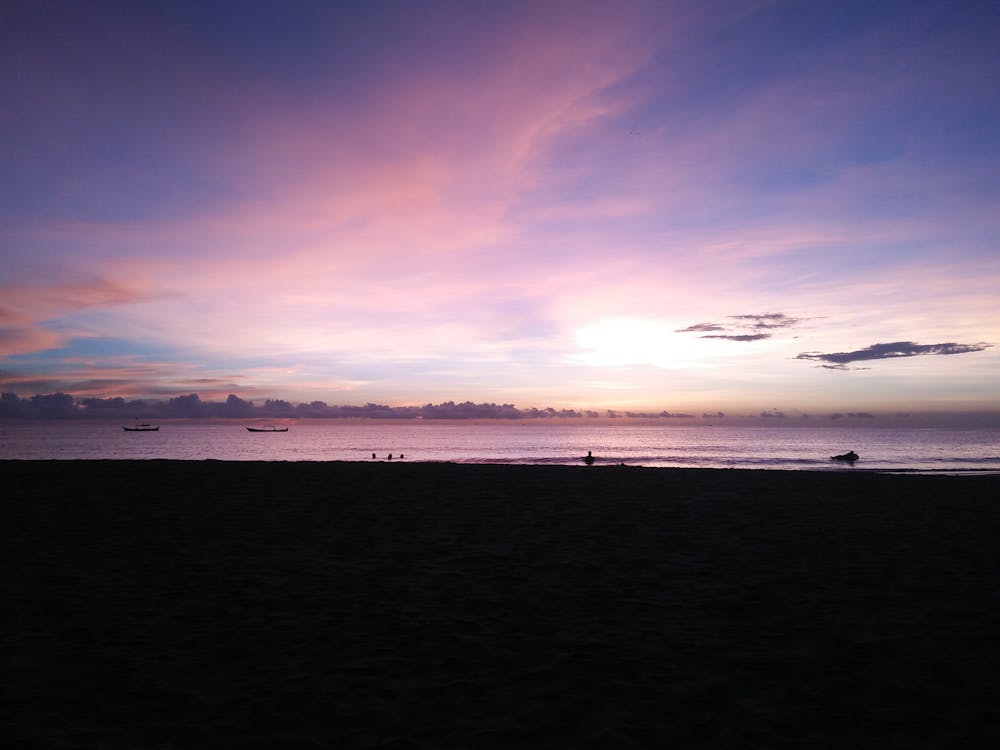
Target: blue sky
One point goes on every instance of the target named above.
(575, 205)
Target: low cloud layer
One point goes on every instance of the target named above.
(192, 406)
(893, 350)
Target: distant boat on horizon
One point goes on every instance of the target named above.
(142, 427)
(267, 428)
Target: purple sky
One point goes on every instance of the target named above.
(692, 206)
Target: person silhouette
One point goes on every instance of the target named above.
(588, 459)
(390, 456)
(373, 455)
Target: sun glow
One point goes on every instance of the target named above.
(616, 342)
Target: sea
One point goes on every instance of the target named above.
(931, 450)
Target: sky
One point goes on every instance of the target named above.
(692, 206)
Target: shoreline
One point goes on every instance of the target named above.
(161, 603)
(575, 464)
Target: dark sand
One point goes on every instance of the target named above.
(301, 605)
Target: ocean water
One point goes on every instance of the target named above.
(530, 442)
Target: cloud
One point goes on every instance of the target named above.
(698, 327)
(18, 339)
(768, 320)
(893, 350)
(30, 308)
(658, 415)
(840, 367)
(740, 337)
(756, 323)
(191, 406)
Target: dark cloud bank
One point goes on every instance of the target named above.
(893, 350)
(191, 406)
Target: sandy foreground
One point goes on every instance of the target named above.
(164, 604)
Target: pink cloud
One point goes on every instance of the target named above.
(17, 340)
(124, 376)
(35, 300)
(26, 306)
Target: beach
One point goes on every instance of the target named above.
(211, 604)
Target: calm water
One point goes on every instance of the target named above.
(520, 443)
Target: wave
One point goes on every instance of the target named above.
(912, 465)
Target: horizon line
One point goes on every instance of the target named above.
(191, 406)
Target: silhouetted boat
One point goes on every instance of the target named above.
(267, 428)
(142, 427)
(850, 457)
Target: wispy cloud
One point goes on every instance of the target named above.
(699, 327)
(768, 320)
(29, 305)
(740, 336)
(759, 323)
(893, 350)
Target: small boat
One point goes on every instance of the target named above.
(850, 457)
(267, 428)
(142, 427)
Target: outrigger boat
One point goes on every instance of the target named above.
(267, 428)
(142, 427)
